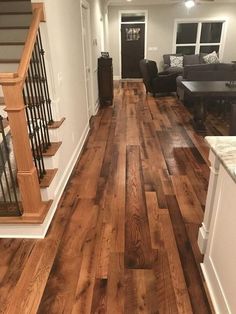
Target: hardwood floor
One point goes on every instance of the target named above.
(124, 238)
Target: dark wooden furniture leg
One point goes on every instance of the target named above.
(232, 126)
(199, 114)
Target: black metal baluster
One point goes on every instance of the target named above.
(44, 75)
(3, 158)
(13, 183)
(41, 96)
(10, 205)
(35, 102)
(2, 190)
(36, 127)
(33, 122)
(2, 163)
(38, 100)
(42, 79)
(28, 110)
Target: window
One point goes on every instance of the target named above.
(199, 37)
(135, 18)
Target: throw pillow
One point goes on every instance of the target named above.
(176, 61)
(211, 58)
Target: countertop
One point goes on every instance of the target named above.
(225, 148)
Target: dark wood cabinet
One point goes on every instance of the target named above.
(105, 81)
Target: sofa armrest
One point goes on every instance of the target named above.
(164, 83)
(179, 80)
(166, 66)
(169, 75)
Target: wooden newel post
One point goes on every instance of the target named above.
(27, 173)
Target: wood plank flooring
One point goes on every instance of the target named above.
(124, 238)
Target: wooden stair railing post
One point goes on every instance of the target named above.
(27, 173)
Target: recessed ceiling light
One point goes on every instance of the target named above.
(189, 4)
(128, 0)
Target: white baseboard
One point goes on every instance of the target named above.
(39, 231)
(132, 80)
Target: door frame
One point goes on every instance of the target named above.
(84, 4)
(145, 12)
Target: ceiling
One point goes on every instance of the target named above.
(153, 2)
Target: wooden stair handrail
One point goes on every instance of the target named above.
(20, 75)
(29, 44)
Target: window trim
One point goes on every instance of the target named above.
(198, 44)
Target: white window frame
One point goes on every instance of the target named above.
(198, 44)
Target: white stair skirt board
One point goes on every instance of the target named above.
(40, 231)
(51, 162)
(54, 135)
(215, 290)
(50, 192)
(202, 239)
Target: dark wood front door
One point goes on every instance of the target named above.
(132, 49)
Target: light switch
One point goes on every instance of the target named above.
(152, 48)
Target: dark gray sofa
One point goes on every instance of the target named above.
(205, 72)
(187, 60)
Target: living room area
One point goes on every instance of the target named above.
(186, 44)
(144, 216)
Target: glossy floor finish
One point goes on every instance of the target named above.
(124, 236)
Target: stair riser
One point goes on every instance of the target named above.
(8, 68)
(51, 162)
(49, 193)
(15, 6)
(54, 135)
(11, 52)
(13, 35)
(15, 21)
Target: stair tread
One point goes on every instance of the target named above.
(13, 35)
(28, 219)
(16, 13)
(9, 61)
(15, 0)
(56, 124)
(47, 179)
(52, 150)
(23, 6)
(15, 20)
(14, 27)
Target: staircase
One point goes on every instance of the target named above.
(25, 95)
(15, 19)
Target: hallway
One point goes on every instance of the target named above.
(124, 237)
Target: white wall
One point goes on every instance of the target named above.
(97, 15)
(161, 19)
(65, 57)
